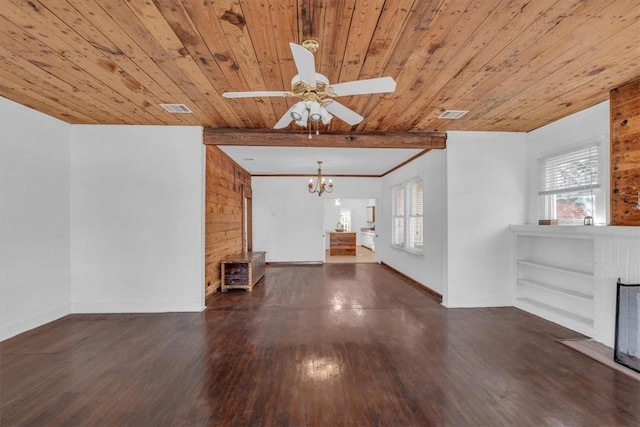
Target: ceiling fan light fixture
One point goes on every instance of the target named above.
(314, 112)
(298, 110)
(326, 117)
(303, 120)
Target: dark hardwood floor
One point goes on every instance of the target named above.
(339, 344)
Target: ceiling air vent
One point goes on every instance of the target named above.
(176, 108)
(452, 114)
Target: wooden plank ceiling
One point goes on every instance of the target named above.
(514, 64)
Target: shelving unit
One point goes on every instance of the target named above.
(568, 274)
(555, 268)
(555, 279)
(557, 289)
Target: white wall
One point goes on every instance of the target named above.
(137, 227)
(288, 221)
(616, 255)
(585, 126)
(34, 218)
(428, 269)
(487, 182)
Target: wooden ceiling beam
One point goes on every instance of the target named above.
(422, 140)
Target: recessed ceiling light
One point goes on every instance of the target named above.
(452, 114)
(176, 108)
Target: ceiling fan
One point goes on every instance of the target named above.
(316, 93)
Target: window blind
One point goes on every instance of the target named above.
(572, 171)
(414, 236)
(397, 235)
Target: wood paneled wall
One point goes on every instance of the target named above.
(225, 183)
(625, 154)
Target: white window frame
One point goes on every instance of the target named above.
(548, 190)
(409, 216)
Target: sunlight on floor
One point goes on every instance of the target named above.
(363, 255)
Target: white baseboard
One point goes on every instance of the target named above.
(13, 329)
(477, 302)
(135, 307)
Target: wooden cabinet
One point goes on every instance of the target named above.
(342, 243)
(242, 270)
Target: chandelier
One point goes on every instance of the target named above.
(321, 186)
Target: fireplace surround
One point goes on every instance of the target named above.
(627, 333)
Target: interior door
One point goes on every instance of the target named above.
(247, 223)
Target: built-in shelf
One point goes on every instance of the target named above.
(554, 276)
(567, 274)
(556, 289)
(555, 268)
(565, 318)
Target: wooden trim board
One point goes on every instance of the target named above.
(435, 295)
(250, 137)
(293, 263)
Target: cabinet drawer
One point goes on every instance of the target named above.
(236, 269)
(236, 279)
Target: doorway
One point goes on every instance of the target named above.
(351, 216)
(247, 244)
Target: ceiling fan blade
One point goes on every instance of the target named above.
(305, 63)
(363, 87)
(343, 113)
(286, 119)
(256, 94)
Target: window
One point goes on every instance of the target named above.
(407, 228)
(570, 184)
(345, 219)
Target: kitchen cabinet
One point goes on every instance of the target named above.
(367, 239)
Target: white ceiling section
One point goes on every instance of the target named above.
(303, 160)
